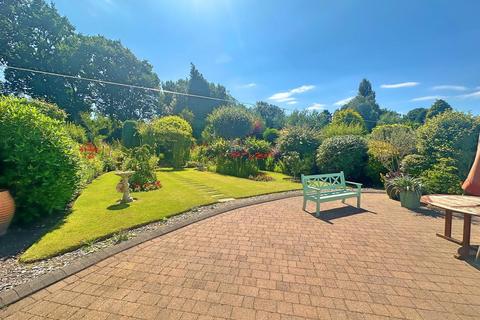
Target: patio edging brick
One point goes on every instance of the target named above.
(24, 290)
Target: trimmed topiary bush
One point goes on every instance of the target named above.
(130, 134)
(39, 163)
(230, 123)
(344, 153)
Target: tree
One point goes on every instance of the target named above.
(389, 117)
(309, 118)
(365, 104)
(417, 115)
(438, 107)
(273, 116)
(348, 117)
(33, 35)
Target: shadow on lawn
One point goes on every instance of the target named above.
(118, 206)
(337, 213)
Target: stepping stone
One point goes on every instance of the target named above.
(226, 199)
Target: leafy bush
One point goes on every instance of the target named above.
(294, 165)
(389, 144)
(442, 178)
(77, 133)
(271, 135)
(230, 122)
(341, 129)
(414, 165)
(273, 116)
(348, 117)
(130, 134)
(374, 171)
(171, 136)
(49, 109)
(303, 140)
(450, 135)
(143, 161)
(438, 107)
(39, 161)
(345, 153)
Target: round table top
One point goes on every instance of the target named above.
(461, 204)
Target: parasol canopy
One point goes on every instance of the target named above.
(471, 185)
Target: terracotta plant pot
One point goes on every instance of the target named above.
(7, 209)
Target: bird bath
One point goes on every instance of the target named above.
(123, 186)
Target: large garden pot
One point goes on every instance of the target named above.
(7, 209)
(410, 199)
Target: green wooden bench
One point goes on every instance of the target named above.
(329, 187)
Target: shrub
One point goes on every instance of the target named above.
(303, 140)
(438, 107)
(348, 117)
(271, 135)
(450, 135)
(293, 163)
(170, 136)
(374, 171)
(345, 153)
(442, 178)
(414, 165)
(143, 161)
(389, 144)
(341, 129)
(49, 109)
(77, 133)
(230, 122)
(39, 161)
(130, 134)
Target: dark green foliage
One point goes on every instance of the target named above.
(271, 135)
(374, 171)
(273, 116)
(417, 115)
(443, 177)
(299, 139)
(438, 107)
(309, 118)
(345, 153)
(450, 135)
(365, 104)
(365, 89)
(389, 117)
(230, 122)
(76, 133)
(39, 163)
(414, 165)
(130, 134)
(292, 163)
(97, 126)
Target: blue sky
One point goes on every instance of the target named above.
(303, 54)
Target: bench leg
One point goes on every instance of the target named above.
(304, 204)
(358, 202)
(317, 211)
(343, 200)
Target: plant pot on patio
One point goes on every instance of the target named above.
(410, 199)
(7, 209)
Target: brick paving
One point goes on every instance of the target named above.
(274, 261)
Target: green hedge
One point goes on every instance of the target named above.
(40, 164)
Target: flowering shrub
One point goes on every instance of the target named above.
(136, 187)
(88, 150)
(143, 162)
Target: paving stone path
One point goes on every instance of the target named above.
(274, 261)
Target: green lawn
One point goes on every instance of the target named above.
(95, 213)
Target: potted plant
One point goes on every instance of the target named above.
(410, 190)
(7, 209)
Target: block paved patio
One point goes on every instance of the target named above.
(274, 261)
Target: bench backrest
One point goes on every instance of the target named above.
(330, 182)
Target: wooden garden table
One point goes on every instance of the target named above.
(467, 205)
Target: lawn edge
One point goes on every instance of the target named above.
(24, 290)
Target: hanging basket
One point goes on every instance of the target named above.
(7, 209)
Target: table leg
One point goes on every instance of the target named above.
(448, 223)
(464, 251)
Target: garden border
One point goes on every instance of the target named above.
(24, 290)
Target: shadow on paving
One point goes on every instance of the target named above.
(337, 213)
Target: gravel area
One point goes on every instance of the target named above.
(13, 273)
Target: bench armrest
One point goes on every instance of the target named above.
(358, 185)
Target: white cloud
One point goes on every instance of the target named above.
(449, 87)
(288, 95)
(426, 98)
(343, 101)
(399, 85)
(292, 102)
(316, 106)
(475, 94)
(248, 85)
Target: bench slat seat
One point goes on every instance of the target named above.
(329, 187)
